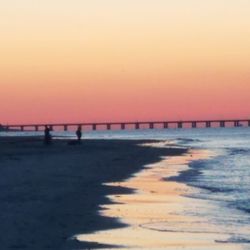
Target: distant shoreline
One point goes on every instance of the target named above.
(52, 193)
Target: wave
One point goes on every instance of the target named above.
(243, 205)
(235, 240)
(242, 151)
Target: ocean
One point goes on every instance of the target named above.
(220, 182)
(223, 179)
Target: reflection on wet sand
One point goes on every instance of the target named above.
(156, 213)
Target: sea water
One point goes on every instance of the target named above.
(221, 183)
(223, 180)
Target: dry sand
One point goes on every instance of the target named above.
(51, 193)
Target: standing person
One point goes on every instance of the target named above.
(79, 133)
(47, 136)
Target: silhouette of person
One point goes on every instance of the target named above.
(79, 133)
(47, 136)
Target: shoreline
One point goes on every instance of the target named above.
(52, 193)
(161, 214)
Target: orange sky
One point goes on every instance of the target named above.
(124, 60)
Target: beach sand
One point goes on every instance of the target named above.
(51, 193)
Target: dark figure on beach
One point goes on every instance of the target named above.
(79, 134)
(47, 136)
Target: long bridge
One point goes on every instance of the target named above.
(128, 125)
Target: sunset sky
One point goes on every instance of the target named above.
(120, 60)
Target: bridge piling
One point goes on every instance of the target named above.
(108, 126)
(123, 126)
(165, 125)
(137, 125)
(180, 124)
(194, 124)
(93, 126)
(208, 124)
(236, 124)
(222, 124)
(151, 125)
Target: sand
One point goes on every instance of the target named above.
(51, 193)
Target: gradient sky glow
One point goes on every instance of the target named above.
(96, 60)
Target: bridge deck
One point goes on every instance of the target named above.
(136, 124)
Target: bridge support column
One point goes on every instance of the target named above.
(248, 123)
(194, 125)
(123, 126)
(36, 128)
(151, 125)
(65, 128)
(208, 124)
(93, 126)
(236, 124)
(137, 126)
(22, 128)
(165, 125)
(108, 126)
(180, 125)
(51, 128)
(222, 124)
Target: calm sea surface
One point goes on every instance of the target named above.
(223, 180)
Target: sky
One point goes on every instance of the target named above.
(124, 60)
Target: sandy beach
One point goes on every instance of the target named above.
(51, 193)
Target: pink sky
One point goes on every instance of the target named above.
(124, 60)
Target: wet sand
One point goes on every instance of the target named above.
(160, 214)
(50, 194)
